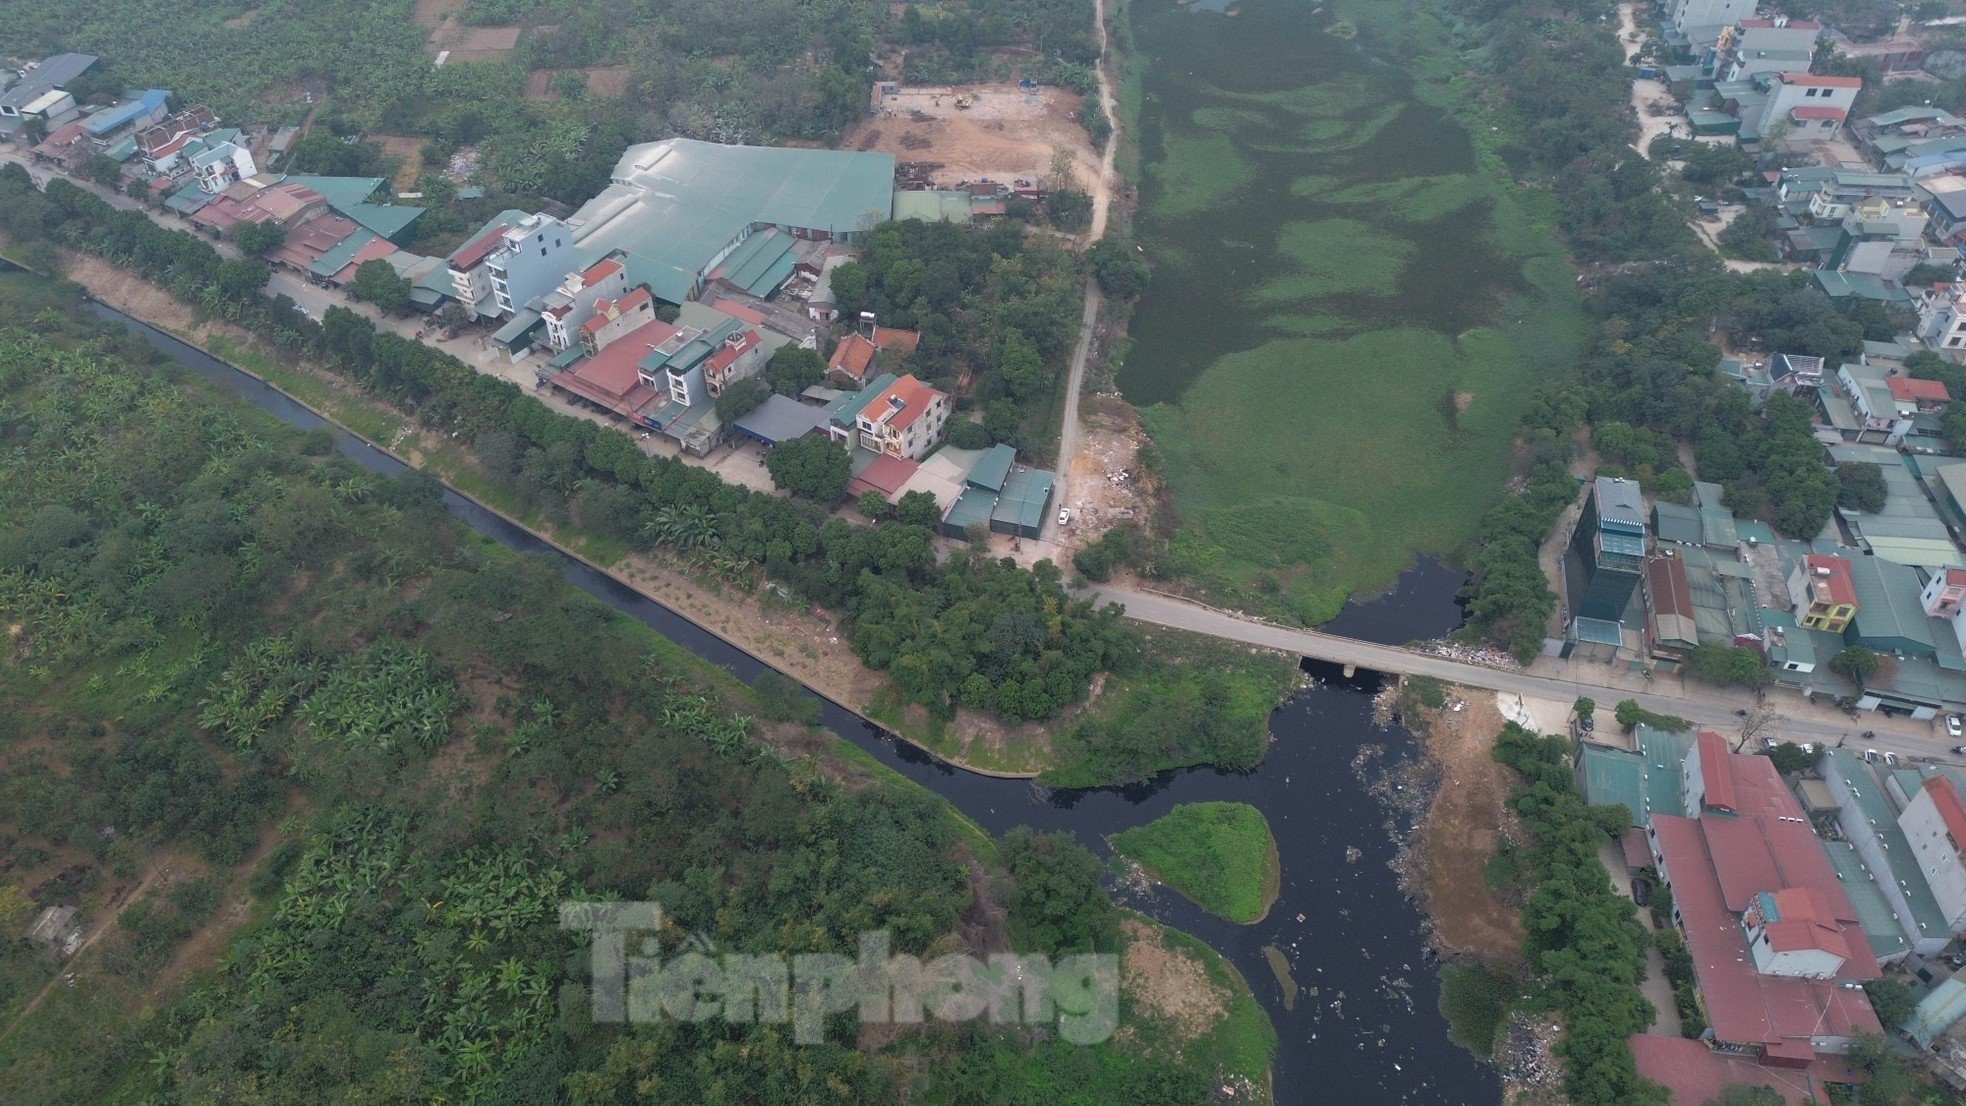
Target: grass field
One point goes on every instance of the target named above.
(1220, 855)
(1351, 305)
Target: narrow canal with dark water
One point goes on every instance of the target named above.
(1365, 1029)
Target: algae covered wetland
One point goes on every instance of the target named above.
(1352, 300)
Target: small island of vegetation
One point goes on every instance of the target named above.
(1220, 855)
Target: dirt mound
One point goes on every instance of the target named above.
(1462, 828)
(1170, 984)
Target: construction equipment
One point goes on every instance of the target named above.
(964, 101)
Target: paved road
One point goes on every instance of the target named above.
(1710, 708)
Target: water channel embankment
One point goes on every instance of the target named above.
(1363, 1027)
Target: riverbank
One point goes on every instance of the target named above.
(477, 771)
(1465, 824)
(801, 641)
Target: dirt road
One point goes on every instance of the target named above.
(1102, 199)
(103, 926)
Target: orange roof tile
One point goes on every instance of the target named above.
(852, 356)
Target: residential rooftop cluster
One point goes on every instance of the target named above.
(683, 277)
(1860, 202)
(1647, 582)
(1789, 895)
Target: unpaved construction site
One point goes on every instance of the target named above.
(1106, 486)
(949, 134)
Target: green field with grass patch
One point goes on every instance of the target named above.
(1351, 303)
(1220, 855)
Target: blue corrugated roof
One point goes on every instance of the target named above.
(108, 119)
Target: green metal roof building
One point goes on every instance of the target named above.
(1023, 504)
(1645, 782)
(680, 208)
(972, 508)
(1889, 617)
(1881, 930)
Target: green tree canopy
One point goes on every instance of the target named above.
(793, 369)
(379, 283)
(1856, 662)
(258, 238)
(1891, 1000)
(1861, 487)
(740, 399)
(812, 467)
(1735, 665)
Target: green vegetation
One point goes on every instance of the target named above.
(1221, 855)
(1791, 758)
(1750, 236)
(1679, 974)
(740, 399)
(1585, 945)
(1630, 714)
(1475, 999)
(1891, 1000)
(380, 284)
(993, 305)
(1728, 665)
(1861, 487)
(307, 689)
(813, 467)
(794, 368)
(258, 238)
(1190, 700)
(1856, 662)
(1331, 412)
(965, 632)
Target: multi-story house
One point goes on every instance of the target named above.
(1934, 821)
(218, 165)
(1808, 107)
(1756, 46)
(162, 144)
(696, 364)
(1605, 560)
(904, 419)
(1822, 594)
(614, 318)
(1702, 21)
(512, 262)
(569, 306)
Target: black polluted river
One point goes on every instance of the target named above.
(1365, 1029)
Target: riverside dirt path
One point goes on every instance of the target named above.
(1102, 202)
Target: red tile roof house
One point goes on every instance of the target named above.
(1926, 395)
(904, 420)
(855, 357)
(1778, 956)
(611, 379)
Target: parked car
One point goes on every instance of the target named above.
(1064, 515)
(1953, 726)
